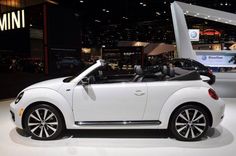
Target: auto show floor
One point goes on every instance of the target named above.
(219, 141)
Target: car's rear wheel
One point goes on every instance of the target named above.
(189, 123)
(43, 122)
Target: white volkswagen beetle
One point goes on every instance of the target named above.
(183, 103)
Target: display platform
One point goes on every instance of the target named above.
(219, 141)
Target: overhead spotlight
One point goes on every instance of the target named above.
(76, 14)
(141, 3)
(98, 21)
(81, 1)
(208, 16)
(144, 4)
(164, 2)
(221, 4)
(104, 10)
(158, 13)
(107, 11)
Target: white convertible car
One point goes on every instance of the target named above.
(182, 103)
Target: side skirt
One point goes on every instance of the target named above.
(118, 123)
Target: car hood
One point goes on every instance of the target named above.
(51, 84)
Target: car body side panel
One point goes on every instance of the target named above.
(44, 95)
(160, 92)
(109, 102)
(191, 94)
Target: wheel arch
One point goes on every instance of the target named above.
(39, 103)
(196, 104)
(185, 96)
(37, 96)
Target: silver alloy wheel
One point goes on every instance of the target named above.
(190, 123)
(42, 123)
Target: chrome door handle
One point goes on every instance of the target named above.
(139, 93)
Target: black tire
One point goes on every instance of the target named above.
(190, 127)
(41, 126)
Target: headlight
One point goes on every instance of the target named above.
(19, 97)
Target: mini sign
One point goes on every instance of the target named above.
(12, 20)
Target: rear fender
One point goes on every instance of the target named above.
(185, 95)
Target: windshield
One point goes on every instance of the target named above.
(70, 78)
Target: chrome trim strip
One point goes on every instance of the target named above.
(123, 123)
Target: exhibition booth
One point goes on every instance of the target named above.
(29, 38)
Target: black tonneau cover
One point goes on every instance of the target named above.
(188, 76)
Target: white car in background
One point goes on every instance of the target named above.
(184, 104)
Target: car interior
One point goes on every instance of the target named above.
(149, 74)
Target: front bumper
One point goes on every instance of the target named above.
(16, 114)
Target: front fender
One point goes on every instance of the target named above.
(184, 95)
(51, 96)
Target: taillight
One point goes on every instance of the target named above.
(213, 94)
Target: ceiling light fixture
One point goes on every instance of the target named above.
(158, 13)
(98, 21)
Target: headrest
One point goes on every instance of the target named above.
(164, 70)
(171, 71)
(138, 70)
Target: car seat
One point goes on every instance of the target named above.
(138, 73)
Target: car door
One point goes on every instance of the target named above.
(109, 102)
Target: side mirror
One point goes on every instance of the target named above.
(88, 80)
(85, 81)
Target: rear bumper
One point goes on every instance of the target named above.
(218, 114)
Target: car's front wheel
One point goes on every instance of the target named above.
(43, 122)
(189, 123)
